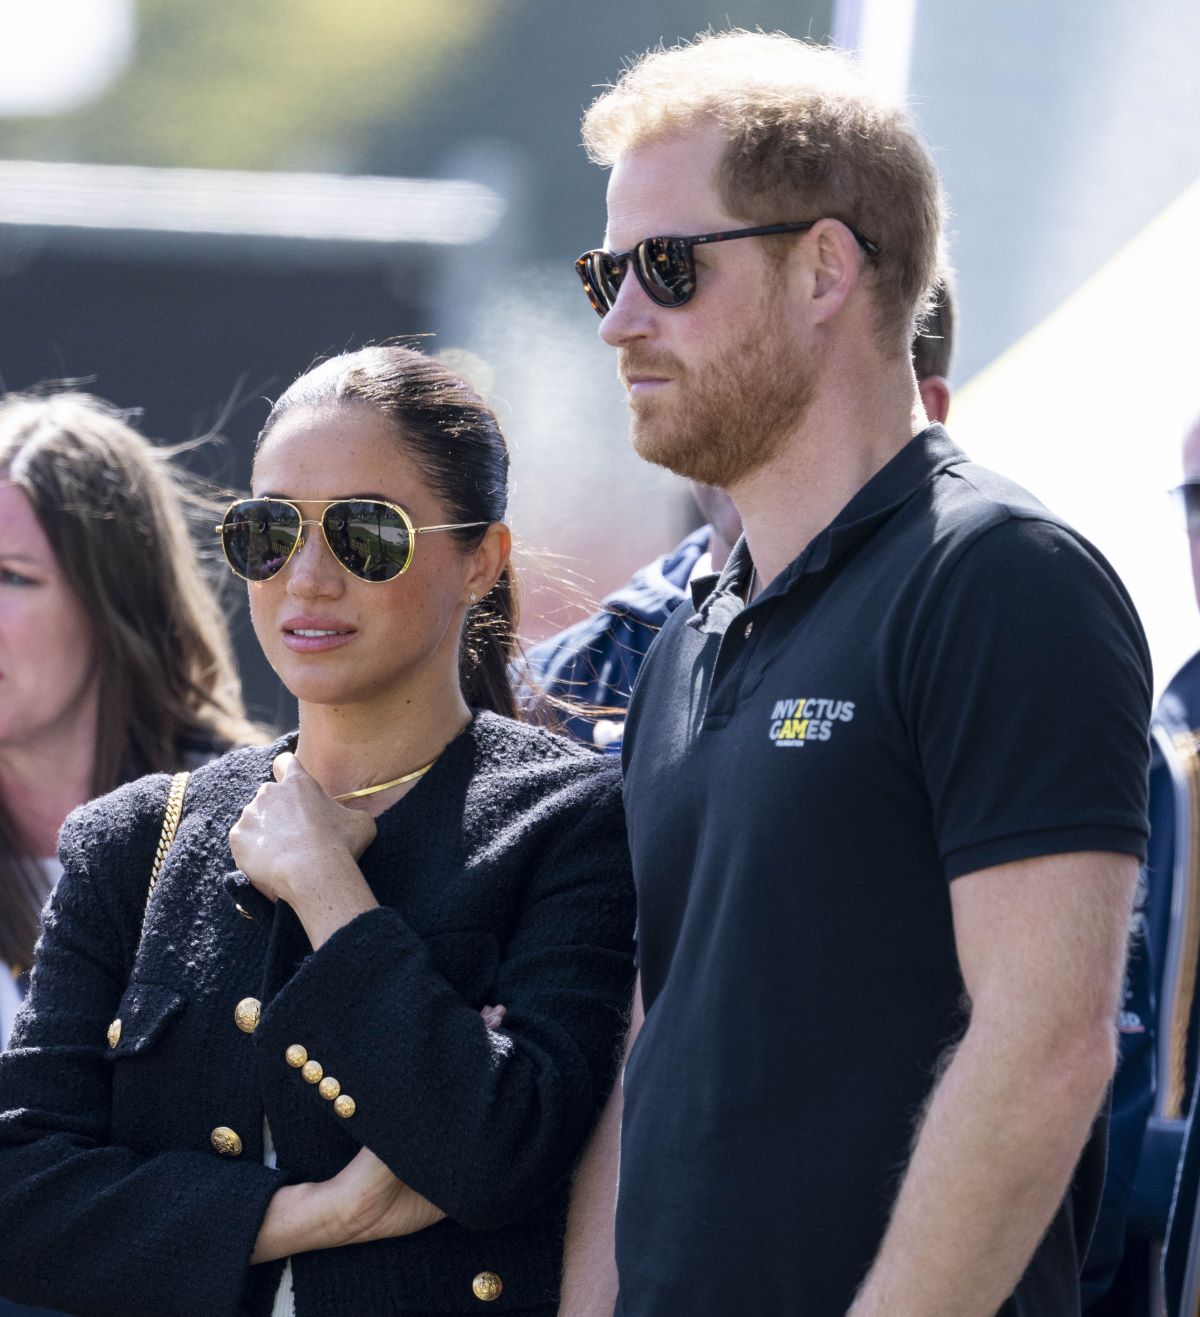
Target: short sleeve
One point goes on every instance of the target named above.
(1028, 699)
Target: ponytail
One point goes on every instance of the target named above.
(489, 646)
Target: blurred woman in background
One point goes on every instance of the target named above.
(114, 658)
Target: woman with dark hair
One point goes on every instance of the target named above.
(114, 659)
(353, 1074)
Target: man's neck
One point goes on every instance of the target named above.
(843, 440)
(719, 550)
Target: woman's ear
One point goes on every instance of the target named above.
(488, 560)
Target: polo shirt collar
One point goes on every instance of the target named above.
(923, 457)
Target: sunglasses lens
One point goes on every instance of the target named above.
(258, 536)
(608, 275)
(370, 539)
(667, 270)
(601, 278)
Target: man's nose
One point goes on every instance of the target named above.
(632, 316)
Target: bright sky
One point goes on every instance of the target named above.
(1089, 411)
(881, 33)
(58, 54)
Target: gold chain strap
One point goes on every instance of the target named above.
(171, 817)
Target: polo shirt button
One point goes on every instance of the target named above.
(487, 1286)
(749, 628)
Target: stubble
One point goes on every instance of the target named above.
(719, 422)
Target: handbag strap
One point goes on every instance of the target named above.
(171, 816)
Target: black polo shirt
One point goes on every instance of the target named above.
(947, 678)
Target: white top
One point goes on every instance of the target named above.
(10, 998)
(285, 1296)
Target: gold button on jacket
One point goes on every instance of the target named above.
(295, 1056)
(247, 1013)
(114, 1033)
(312, 1072)
(329, 1088)
(226, 1141)
(345, 1106)
(487, 1286)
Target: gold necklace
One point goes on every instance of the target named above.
(395, 782)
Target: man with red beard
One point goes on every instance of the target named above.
(580, 680)
(885, 777)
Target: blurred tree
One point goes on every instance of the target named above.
(277, 84)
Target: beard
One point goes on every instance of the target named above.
(728, 417)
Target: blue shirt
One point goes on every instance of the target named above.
(595, 663)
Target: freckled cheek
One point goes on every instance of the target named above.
(406, 609)
(264, 612)
(422, 606)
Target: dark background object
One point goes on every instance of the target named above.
(198, 332)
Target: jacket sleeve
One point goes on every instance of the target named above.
(483, 1122)
(85, 1225)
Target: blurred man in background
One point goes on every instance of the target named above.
(885, 778)
(1159, 1022)
(588, 669)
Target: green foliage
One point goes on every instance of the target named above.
(264, 84)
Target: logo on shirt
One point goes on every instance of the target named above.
(799, 722)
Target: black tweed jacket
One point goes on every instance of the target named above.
(503, 877)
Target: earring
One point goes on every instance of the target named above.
(472, 598)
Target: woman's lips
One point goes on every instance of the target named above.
(306, 636)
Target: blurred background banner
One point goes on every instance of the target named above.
(198, 200)
(1066, 134)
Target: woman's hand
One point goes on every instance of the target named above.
(290, 827)
(369, 1202)
(493, 1016)
(298, 845)
(364, 1201)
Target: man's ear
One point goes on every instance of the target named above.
(935, 397)
(836, 261)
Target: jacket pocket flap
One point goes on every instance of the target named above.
(145, 1010)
